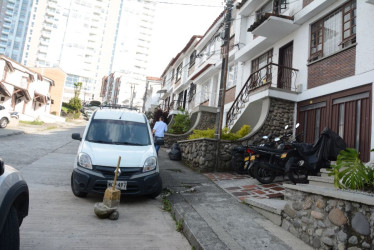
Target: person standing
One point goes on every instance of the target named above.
(159, 130)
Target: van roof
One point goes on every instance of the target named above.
(120, 114)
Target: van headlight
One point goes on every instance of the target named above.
(84, 160)
(150, 164)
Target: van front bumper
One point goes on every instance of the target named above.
(90, 181)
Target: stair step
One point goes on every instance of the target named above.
(270, 208)
(321, 181)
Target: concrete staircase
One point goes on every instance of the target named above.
(324, 180)
(270, 208)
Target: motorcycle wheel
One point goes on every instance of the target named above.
(237, 163)
(296, 174)
(263, 174)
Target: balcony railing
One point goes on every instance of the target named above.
(270, 75)
(174, 105)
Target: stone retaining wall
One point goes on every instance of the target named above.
(326, 222)
(281, 113)
(201, 154)
(207, 120)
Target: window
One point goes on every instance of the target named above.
(231, 76)
(333, 32)
(191, 92)
(205, 91)
(192, 58)
(262, 68)
(179, 72)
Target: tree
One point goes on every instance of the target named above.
(75, 104)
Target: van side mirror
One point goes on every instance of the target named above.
(1, 167)
(76, 136)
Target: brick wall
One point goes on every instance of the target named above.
(230, 95)
(306, 2)
(332, 68)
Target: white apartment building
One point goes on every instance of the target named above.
(75, 35)
(152, 94)
(24, 91)
(309, 60)
(132, 48)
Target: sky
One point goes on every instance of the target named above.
(175, 24)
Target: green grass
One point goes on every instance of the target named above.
(167, 204)
(180, 225)
(32, 123)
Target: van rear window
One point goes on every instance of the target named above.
(118, 132)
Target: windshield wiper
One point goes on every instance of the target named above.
(128, 143)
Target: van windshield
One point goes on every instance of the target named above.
(118, 132)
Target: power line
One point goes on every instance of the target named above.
(187, 4)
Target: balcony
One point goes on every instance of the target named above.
(271, 75)
(175, 105)
(273, 26)
(247, 7)
(312, 9)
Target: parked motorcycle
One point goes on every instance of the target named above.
(265, 163)
(240, 155)
(307, 159)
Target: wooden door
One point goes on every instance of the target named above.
(285, 65)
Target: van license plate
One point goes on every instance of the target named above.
(120, 185)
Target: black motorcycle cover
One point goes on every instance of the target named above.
(325, 149)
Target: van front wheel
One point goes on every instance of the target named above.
(75, 188)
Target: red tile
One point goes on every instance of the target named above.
(278, 188)
(259, 192)
(239, 193)
(250, 186)
(269, 185)
(277, 195)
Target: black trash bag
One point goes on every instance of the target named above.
(175, 153)
(237, 159)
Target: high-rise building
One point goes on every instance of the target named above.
(14, 19)
(75, 35)
(132, 48)
(89, 39)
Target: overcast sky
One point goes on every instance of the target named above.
(175, 24)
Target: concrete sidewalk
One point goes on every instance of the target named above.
(22, 128)
(213, 218)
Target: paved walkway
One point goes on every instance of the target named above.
(213, 216)
(248, 187)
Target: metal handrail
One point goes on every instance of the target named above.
(252, 83)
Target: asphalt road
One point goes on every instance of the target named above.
(59, 220)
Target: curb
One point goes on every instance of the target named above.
(195, 234)
(13, 133)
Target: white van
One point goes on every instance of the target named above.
(111, 133)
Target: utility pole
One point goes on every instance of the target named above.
(225, 63)
(132, 94)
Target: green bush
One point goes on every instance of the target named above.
(75, 104)
(225, 134)
(349, 171)
(181, 123)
